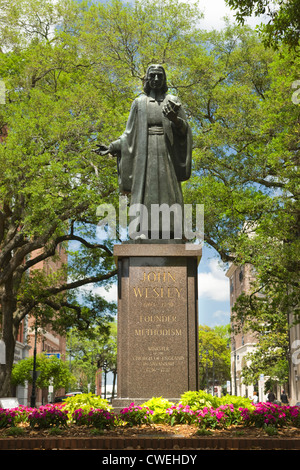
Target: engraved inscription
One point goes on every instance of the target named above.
(160, 359)
(157, 331)
(154, 292)
(167, 291)
(152, 276)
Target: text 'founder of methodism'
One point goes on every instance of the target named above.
(154, 152)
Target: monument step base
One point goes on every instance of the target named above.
(119, 403)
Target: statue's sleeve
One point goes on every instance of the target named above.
(181, 148)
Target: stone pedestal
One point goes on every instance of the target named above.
(157, 321)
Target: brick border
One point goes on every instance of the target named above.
(149, 443)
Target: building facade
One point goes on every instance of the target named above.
(240, 278)
(46, 342)
(294, 385)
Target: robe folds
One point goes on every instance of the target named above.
(154, 155)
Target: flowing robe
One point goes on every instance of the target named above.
(154, 154)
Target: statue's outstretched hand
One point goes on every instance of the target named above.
(102, 150)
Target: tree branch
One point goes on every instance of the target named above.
(78, 283)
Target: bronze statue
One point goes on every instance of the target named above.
(154, 152)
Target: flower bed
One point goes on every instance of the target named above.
(99, 418)
(48, 416)
(134, 415)
(156, 410)
(271, 414)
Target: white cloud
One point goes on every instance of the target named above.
(220, 317)
(213, 285)
(214, 12)
(108, 294)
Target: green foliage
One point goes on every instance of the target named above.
(198, 399)
(7, 418)
(53, 371)
(271, 430)
(89, 353)
(15, 431)
(214, 355)
(283, 20)
(158, 405)
(271, 354)
(85, 402)
(204, 432)
(237, 402)
(55, 431)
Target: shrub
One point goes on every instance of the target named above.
(21, 414)
(99, 418)
(271, 414)
(85, 402)
(158, 406)
(237, 402)
(294, 412)
(180, 414)
(271, 430)
(48, 416)
(221, 417)
(15, 431)
(198, 400)
(135, 415)
(7, 418)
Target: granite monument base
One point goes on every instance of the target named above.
(157, 321)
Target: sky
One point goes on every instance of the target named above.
(214, 12)
(213, 285)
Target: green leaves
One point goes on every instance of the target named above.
(283, 24)
(52, 371)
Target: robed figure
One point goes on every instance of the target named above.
(154, 154)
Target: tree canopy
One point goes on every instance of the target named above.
(52, 371)
(282, 19)
(214, 356)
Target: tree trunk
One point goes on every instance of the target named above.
(9, 334)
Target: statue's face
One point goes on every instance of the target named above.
(155, 78)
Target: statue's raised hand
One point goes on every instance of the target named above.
(170, 110)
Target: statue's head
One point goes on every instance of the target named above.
(155, 78)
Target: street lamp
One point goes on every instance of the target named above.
(296, 381)
(204, 356)
(104, 367)
(34, 374)
(234, 365)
